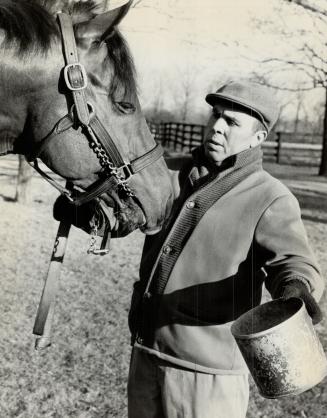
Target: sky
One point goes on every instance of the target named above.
(196, 45)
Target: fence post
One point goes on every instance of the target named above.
(279, 147)
(24, 178)
(202, 133)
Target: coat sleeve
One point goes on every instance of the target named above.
(284, 250)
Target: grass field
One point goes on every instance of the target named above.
(84, 373)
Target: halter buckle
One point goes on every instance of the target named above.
(126, 170)
(72, 82)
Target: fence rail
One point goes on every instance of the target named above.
(177, 136)
(281, 147)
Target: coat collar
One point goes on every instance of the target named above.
(203, 170)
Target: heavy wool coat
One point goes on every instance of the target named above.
(231, 231)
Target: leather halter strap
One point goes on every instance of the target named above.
(103, 142)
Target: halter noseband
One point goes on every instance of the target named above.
(118, 170)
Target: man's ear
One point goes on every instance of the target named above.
(100, 26)
(258, 138)
(261, 136)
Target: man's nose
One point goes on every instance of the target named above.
(220, 125)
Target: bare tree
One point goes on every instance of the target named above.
(136, 3)
(315, 8)
(307, 55)
(184, 93)
(318, 61)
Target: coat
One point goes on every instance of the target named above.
(231, 231)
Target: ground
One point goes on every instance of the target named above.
(83, 374)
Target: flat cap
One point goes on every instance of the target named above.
(251, 96)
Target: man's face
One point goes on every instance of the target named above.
(230, 132)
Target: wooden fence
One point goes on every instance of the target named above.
(177, 136)
(280, 147)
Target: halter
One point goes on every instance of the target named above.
(118, 171)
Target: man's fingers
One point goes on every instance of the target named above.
(296, 289)
(313, 308)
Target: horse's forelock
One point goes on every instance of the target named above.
(120, 59)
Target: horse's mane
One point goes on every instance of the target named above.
(30, 27)
(27, 26)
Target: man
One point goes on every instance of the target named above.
(232, 229)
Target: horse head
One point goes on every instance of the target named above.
(40, 115)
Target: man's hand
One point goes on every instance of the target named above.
(297, 289)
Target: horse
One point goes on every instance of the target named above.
(69, 98)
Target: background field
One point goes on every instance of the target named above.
(84, 373)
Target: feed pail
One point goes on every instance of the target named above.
(280, 347)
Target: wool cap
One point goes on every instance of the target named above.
(251, 96)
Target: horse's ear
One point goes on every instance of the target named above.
(102, 24)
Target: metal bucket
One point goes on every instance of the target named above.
(281, 348)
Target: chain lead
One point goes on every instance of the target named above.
(94, 234)
(104, 247)
(105, 162)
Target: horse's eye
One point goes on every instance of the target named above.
(125, 107)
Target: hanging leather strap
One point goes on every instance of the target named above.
(44, 316)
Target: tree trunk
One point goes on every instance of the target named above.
(25, 173)
(323, 164)
(297, 119)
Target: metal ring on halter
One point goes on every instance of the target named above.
(126, 171)
(90, 107)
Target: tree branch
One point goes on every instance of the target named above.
(135, 3)
(305, 4)
(291, 62)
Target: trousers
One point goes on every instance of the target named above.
(159, 389)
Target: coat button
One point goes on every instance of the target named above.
(167, 249)
(140, 340)
(190, 204)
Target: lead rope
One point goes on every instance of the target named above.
(44, 316)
